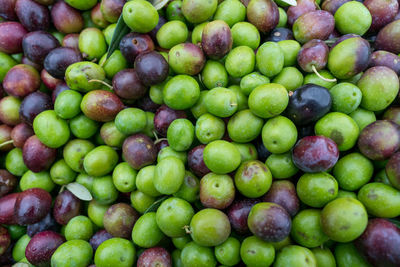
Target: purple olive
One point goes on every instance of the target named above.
(5, 136)
(58, 60)
(283, 193)
(302, 7)
(7, 10)
(38, 44)
(127, 85)
(382, 12)
(315, 154)
(333, 5)
(59, 88)
(139, 151)
(32, 105)
(263, 14)
(134, 44)
(196, 162)
(20, 134)
(216, 39)
(31, 206)
(42, 246)
(47, 223)
(313, 53)
(37, 156)
(71, 40)
(151, 67)
(120, 219)
(7, 182)
(7, 204)
(98, 238)
(238, 213)
(21, 80)
(11, 35)
(156, 256)
(388, 38)
(387, 59)
(379, 140)
(164, 117)
(33, 16)
(66, 19)
(48, 80)
(66, 207)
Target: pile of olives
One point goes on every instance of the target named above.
(199, 133)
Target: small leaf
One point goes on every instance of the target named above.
(79, 191)
(156, 204)
(120, 31)
(158, 4)
(290, 2)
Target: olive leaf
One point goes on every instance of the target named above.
(122, 29)
(79, 191)
(156, 204)
(290, 2)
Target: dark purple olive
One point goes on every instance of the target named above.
(29, 62)
(37, 156)
(135, 43)
(139, 151)
(283, 193)
(98, 17)
(313, 53)
(382, 12)
(216, 39)
(392, 170)
(151, 67)
(42, 246)
(379, 243)
(317, 24)
(66, 207)
(160, 144)
(238, 213)
(5, 136)
(32, 105)
(112, 9)
(7, 182)
(58, 60)
(11, 35)
(393, 114)
(379, 140)
(308, 104)
(262, 151)
(98, 238)
(387, 59)
(120, 219)
(269, 222)
(263, 14)
(71, 40)
(127, 85)
(153, 33)
(31, 206)
(156, 256)
(65, 18)
(59, 88)
(5, 240)
(38, 44)
(33, 16)
(47, 223)
(21, 80)
(7, 204)
(280, 34)
(388, 38)
(164, 117)
(49, 81)
(315, 154)
(302, 7)
(145, 103)
(7, 10)
(333, 5)
(196, 162)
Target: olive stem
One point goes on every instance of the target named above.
(322, 77)
(158, 140)
(6, 143)
(187, 229)
(102, 82)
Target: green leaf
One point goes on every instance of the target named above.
(79, 191)
(395, 222)
(156, 204)
(158, 4)
(120, 31)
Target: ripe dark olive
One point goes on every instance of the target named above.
(238, 213)
(315, 154)
(127, 85)
(42, 246)
(31, 206)
(283, 193)
(11, 35)
(156, 256)
(98, 238)
(151, 67)
(37, 156)
(21, 80)
(32, 105)
(58, 60)
(139, 151)
(7, 204)
(33, 16)
(164, 117)
(47, 223)
(196, 162)
(280, 34)
(48, 80)
(7, 10)
(7, 182)
(66, 19)
(135, 43)
(308, 104)
(66, 207)
(38, 44)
